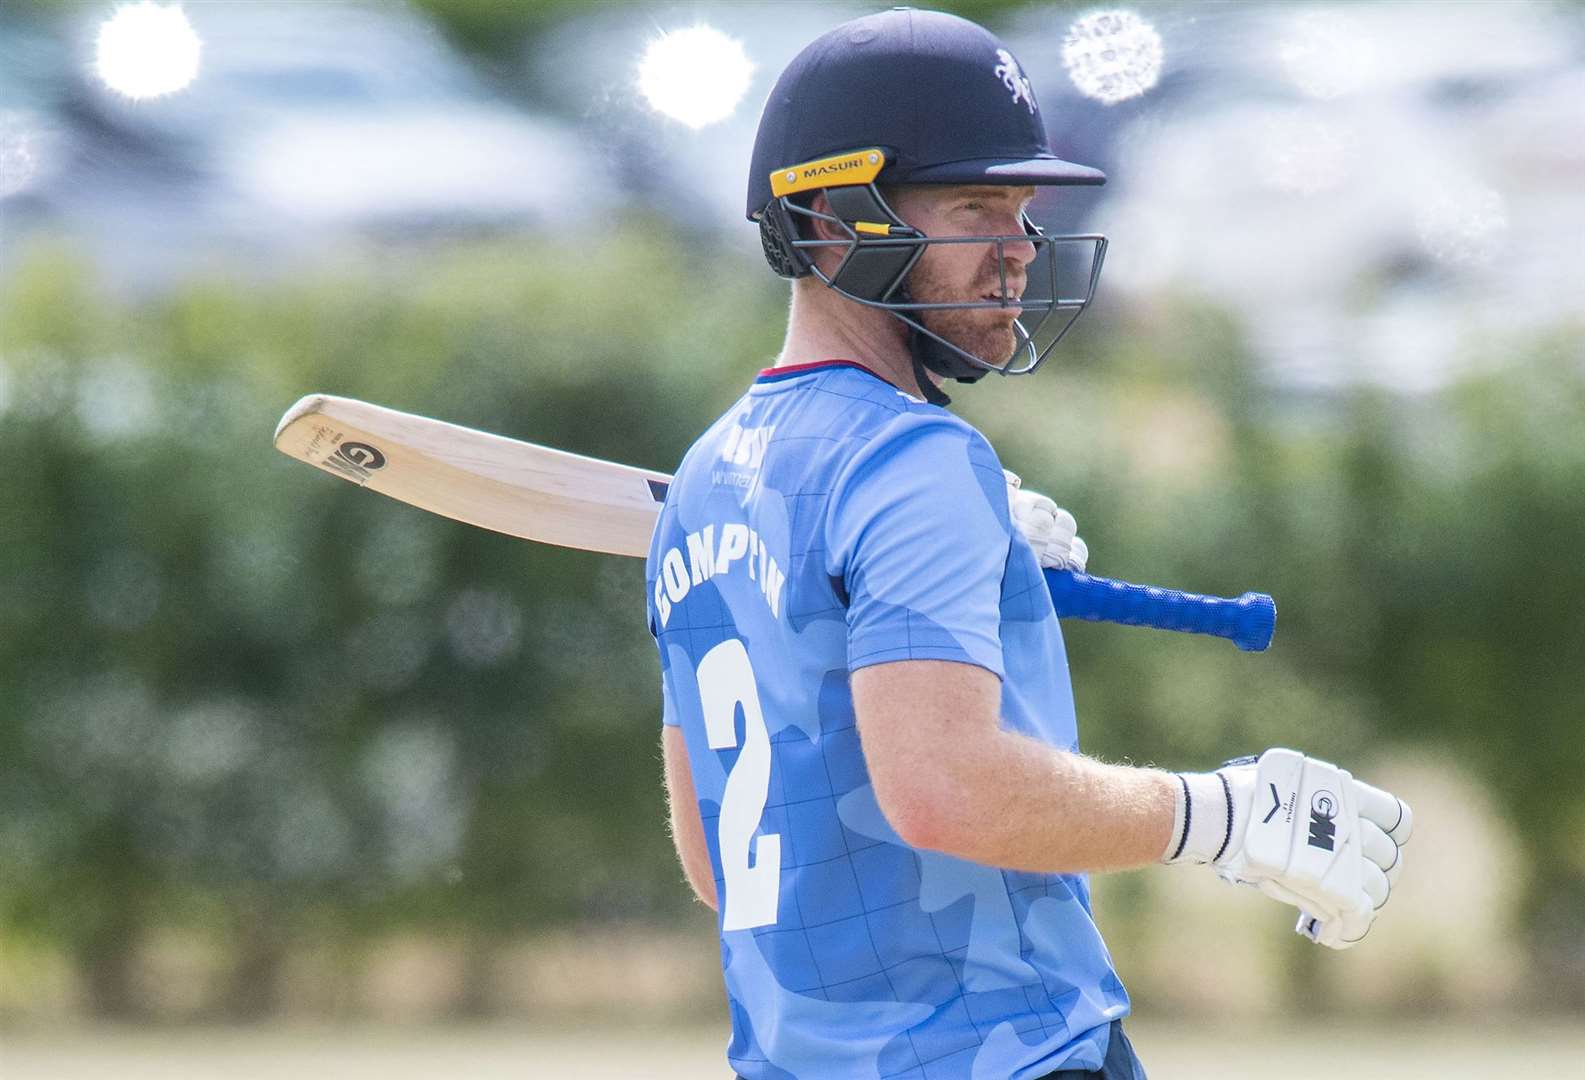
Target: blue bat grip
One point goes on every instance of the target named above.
(1247, 621)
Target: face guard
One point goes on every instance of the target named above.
(879, 250)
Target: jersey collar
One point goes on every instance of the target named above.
(791, 371)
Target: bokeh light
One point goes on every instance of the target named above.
(484, 627)
(1328, 54)
(1304, 155)
(146, 50)
(695, 76)
(410, 771)
(18, 152)
(117, 400)
(212, 740)
(311, 836)
(1112, 56)
(400, 562)
(1463, 226)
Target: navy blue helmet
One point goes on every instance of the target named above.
(909, 97)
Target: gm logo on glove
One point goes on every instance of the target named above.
(1323, 826)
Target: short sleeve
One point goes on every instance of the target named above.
(918, 534)
(668, 695)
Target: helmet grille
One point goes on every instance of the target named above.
(779, 252)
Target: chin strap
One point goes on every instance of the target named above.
(930, 354)
(918, 345)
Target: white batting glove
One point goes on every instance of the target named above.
(1301, 830)
(1050, 530)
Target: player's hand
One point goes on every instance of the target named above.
(1050, 530)
(1303, 831)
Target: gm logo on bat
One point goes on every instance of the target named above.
(356, 460)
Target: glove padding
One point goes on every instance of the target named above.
(1050, 530)
(1301, 830)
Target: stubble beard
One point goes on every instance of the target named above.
(984, 333)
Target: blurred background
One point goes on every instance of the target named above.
(296, 780)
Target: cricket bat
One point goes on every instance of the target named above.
(554, 497)
(512, 487)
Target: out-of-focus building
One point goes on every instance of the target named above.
(1374, 190)
(307, 123)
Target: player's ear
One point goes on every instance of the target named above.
(818, 228)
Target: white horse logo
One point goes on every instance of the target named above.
(1014, 79)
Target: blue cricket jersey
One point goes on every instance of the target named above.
(826, 522)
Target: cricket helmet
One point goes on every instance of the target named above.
(910, 97)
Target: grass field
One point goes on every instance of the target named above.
(1420, 1051)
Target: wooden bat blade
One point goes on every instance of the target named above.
(506, 485)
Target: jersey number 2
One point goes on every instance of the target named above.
(726, 680)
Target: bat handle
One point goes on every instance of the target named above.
(1247, 621)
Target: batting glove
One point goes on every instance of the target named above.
(1302, 831)
(1050, 530)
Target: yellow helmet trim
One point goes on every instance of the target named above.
(854, 167)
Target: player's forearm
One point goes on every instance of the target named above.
(687, 827)
(702, 883)
(693, 857)
(1016, 803)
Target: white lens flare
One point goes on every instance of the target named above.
(1463, 226)
(1112, 56)
(695, 76)
(146, 50)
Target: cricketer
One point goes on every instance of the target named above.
(869, 737)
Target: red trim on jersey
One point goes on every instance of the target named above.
(815, 365)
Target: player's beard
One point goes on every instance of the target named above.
(985, 333)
